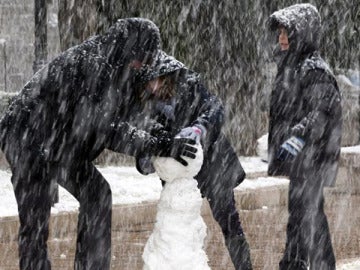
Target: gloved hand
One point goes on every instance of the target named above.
(190, 133)
(166, 145)
(290, 148)
(177, 147)
(144, 164)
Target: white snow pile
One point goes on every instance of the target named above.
(179, 232)
(351, 149)
(353, 265)
(127, 184)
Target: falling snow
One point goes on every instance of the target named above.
(232, 54)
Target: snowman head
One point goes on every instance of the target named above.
(169, 169)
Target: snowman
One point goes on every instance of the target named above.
(177, 241)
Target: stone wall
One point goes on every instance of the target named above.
(351, 111)
(263, 212)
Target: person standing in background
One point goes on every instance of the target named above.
(304, 135)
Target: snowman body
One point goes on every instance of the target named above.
(177, 241)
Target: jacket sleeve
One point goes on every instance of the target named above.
(129, 140)
(211, 112)
(325, 104)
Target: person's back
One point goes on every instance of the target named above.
(58, 123)
(68, 106)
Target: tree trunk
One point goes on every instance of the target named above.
(78, 20)
(40, 10)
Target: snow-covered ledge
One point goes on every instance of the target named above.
(348, 179)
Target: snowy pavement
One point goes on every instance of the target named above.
(353, 265)
(128, 186)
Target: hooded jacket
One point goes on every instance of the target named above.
(75, 106)
(305, 100)
(192, 104)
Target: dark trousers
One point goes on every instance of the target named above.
(220, 174)
(308, 236)
(32, 179)
(222, 203)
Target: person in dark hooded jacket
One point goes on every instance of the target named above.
(175, 101)
(304, 135)
(63, 118)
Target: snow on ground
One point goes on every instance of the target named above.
(262, 182)
(253, 164)
(351, 149)
(127, 184)
(353, 265)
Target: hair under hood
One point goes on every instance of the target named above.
(303, 23)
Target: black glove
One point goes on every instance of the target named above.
(168, 146)
(144, 164)
(290, 149)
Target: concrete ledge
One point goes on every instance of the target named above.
(129, 215)
(263, 215)
(348, 179)
(262, 197)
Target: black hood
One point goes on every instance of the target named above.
(303, 23)
(132, 38)
(164, 64)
